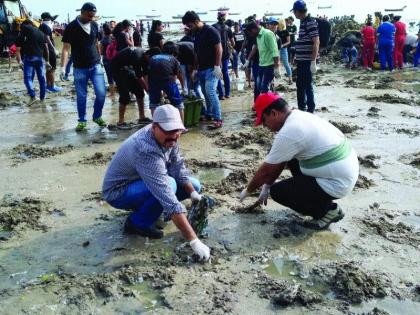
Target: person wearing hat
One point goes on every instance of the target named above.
(147, 174)
(306, 54)
(226, 38)
(269, 58)
(33, 45)
(208, 48)
(82, 37)
(323, 164)
(47, 27)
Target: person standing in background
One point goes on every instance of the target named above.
(385, 35)
(105, 41)
(284, 35)
(47, 28)
(400, 36)
(238, 48)
(368, 40)
(292, 29)
(155, 38)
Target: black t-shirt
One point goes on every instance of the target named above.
(292, 29)
(250, 42)
(48, 32)
(239, 40)
(132, 57)
(186, 53)
(225, 34)
(105, 41)
(83, 45)
(283, 37)
(324, 29)
(121, 39)
(137, 38)
(205, 40)
(162, 68)
(349, 41)
(153, 39)
(31, 40)
(187, 38)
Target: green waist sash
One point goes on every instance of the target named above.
(340, 152)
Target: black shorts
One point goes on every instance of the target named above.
(127, 81)
(53, 59)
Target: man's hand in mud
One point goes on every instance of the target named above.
(195, 196)
(243, 195)
(200, 249)
(265, 192)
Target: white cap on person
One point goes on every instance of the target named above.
(168, 118)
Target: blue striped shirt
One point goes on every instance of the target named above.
(308, 30)
(140, 157)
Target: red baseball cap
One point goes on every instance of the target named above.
(262, 102)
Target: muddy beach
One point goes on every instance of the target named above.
(62, 250)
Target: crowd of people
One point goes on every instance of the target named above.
(148, 174)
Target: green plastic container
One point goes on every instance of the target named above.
(192, 111)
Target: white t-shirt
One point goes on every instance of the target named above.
(305, 136)
(411, 40)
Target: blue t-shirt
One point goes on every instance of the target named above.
(386, 32)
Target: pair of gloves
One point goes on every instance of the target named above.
(199, 248)
(262, 198)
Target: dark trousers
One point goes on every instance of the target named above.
(305, 90)
(302, 193)
(265, 77)
(226, 80)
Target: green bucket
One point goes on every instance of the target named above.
(192, 111)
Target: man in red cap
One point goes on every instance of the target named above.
(323, 163)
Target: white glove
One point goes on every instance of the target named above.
(195, 196)
(217, 72)
(62, 73)
(190, 93)
(56, 51)
(313, 67)
(243, 195)
(48, 66)
(200, 249)
(265, 192)
(277, 74)
(21, 65)
(245, 65)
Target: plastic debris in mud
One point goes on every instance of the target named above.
(198, 214)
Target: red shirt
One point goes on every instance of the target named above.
(400, 29)
(368, 33)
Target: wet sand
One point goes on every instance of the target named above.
(62, 250)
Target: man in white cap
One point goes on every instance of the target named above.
(148, 174)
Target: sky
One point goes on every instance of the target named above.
(122, 9)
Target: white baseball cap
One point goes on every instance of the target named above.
(168, 118)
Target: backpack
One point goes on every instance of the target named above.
(111, 50)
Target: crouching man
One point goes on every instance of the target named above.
(323, 164)
(148, 175)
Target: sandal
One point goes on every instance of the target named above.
(217, 124)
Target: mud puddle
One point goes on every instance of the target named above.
(24, 152)
(98, 158)
(240, 139)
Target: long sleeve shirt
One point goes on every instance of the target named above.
(141, 157)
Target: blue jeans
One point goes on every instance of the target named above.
(171, 90)
(208, 83)
(226, 79)
(187, 83)
(107, 67)
(348, 53)
(305, 90)
(236, 57)
(417, 56)
(31, 65)
(386, 50)
(265, 77)
(146, 208)
(255, 68)
(81, 78)
(284, 57)
(68, 66)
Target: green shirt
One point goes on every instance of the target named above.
(267, 47)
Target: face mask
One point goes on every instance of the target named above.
(50, 24)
